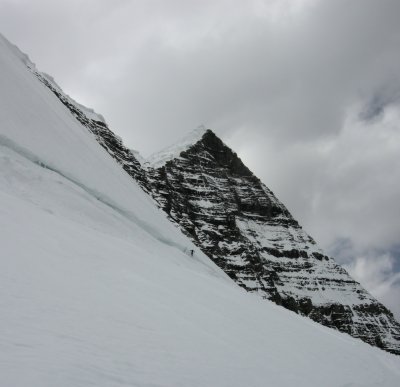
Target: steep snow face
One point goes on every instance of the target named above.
(98, 287)
(36, 125)
(91, 120)
(239, 223)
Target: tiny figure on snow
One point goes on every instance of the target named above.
(191, 253)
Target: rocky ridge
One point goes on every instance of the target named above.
(96, 124)
(237, 221)
(240, 224)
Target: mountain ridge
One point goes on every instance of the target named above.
(228, 221)
(262, 247)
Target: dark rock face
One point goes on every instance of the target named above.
(239, 223)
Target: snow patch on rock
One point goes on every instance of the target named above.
(159, 159)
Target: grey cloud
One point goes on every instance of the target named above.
(377, 273)
(291, 73)
(375, 106)
(378, 270)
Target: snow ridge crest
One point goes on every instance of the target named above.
(171, 152)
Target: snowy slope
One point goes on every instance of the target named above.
(97, 289)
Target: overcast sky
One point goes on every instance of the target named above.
(307, 92)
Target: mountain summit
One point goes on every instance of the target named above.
(240, 224)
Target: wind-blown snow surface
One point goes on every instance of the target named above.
(96, 288)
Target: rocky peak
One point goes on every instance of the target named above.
(173, 151)
(240, 224)
(221, 154)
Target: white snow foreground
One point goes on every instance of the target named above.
(96, 288)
